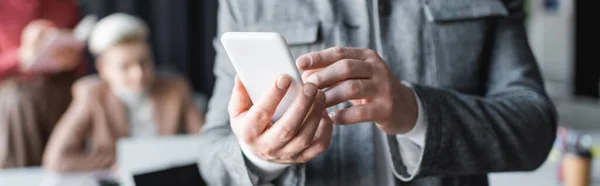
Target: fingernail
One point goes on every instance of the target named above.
(283, 82)
(310, 89)
(305, 63)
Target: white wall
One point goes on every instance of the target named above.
(551, 35)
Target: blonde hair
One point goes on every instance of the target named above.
(116, 29)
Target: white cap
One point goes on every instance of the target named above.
(112, 29)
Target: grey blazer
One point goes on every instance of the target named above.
(470, 64)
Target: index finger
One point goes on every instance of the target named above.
(263, 110)
(323, 58)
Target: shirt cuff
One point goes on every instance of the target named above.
(266, 171)
(412, 143)
(418, 132)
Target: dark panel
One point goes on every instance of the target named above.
(587, 72)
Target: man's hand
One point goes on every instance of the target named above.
(302, 133)
(361, 77)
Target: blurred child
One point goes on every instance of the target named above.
(31, 102)
(127, 99)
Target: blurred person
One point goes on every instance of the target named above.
(127, 99)
(32, 101)
(419, 93)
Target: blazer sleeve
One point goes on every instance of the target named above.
(66, 150)
(223, 162)
(510, 128)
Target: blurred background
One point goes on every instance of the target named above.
(181, 33)
(561, 34)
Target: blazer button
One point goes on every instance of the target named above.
(385, 9)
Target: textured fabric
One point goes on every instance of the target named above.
(29, 110)
(97, 116)
(469, 62)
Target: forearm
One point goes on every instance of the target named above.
(66, 149)
(467, 134)
(79, 161)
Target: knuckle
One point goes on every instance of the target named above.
(302, 159)
(382, 67)
(317, 78)
(320, 147)
(345, 68)
(362, 115)
(247, 138)
(301, 106)
(353, 87)
(371, 52)
(286, 134)
(313, 56)
(338, 52)
(262, 114)
(304, 142)
(268, 152)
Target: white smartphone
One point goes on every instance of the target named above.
(258, 58)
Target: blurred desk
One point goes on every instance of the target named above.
(23, 176)
(135, 156)
(547, 174)
(36, 176)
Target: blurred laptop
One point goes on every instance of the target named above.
(159, 161)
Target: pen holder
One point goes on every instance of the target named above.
(576, 169)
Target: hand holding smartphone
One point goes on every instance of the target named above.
(258, 58)
(286, 121)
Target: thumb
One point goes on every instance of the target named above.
(240, 100)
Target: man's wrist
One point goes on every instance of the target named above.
(408, 108)
(419, 127)
(265, 169)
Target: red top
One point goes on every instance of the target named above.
(16, 14)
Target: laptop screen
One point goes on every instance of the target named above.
(187, 175)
